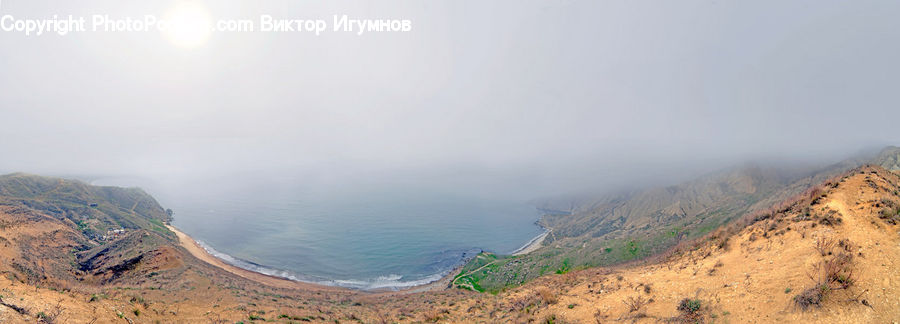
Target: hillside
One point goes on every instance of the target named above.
(94, 209)
(628, 227)
(72, 252)
(827, 254)
(889, 158)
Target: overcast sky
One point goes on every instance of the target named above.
(550, 94)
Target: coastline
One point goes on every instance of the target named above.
(532, 245)
(201, 253)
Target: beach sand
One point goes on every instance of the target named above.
(199, 252)
(533, 245)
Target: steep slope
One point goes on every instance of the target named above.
(829, 255)
(628, 227)
(95, 210)
(61, 233)
(889, 158)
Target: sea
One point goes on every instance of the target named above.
(368, 239)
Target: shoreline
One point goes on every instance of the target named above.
(196, 250)
(532, 245)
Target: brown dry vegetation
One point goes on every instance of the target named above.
(828, 255)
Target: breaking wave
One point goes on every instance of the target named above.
(388, 282)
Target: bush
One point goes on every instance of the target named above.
(825, 245)
(690, 306)
(811, 297)
(550, 319)
(691, 311)
(635, 303)
(547, 296)
(435, 315)
(835, 273)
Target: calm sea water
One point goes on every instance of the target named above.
(366, 239)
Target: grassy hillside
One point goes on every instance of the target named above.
(630, 227)
(94, 210)
(827, 255)
(66, 231)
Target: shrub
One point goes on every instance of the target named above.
(825, 245)
(811, 297)
(635, 304)
(831, 274)
(691, 311)
(550, 319)
(689, 306)
(547, 296)
(526, 303)
(434, 315)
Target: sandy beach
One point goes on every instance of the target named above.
(199, 252)
(533, 245)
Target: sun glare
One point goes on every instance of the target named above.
(189, 25)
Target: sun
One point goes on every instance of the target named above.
(188, 25)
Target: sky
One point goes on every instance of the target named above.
(531, 97)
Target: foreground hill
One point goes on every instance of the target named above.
(625, 227)
(828, 254)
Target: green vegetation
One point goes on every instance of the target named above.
(475, 270)
(113, 229)
(93, 210)
(622, 228)
(690, 306)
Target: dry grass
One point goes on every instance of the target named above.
(825, 244)
(830, 274)
(434, 314)
(635, 304)
(547, 295)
